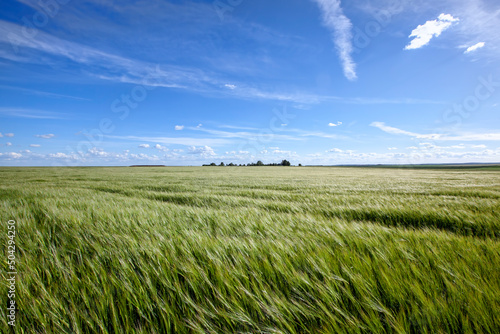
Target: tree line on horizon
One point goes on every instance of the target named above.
(284, 162)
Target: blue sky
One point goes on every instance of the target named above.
(192, 82)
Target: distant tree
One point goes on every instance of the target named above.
(231, 164)
(260, 163)
(285, 163)
(300, 165)
(213, 164)
(222, 164)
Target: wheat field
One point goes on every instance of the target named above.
(253, 249)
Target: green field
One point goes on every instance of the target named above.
(253, 250)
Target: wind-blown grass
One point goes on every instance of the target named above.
(254, 250)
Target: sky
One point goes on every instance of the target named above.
(316, 82)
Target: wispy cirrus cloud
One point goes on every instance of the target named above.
(423, 34)
(434, 147)
(234, 127)
(187, 141)
(246, 135)
(341, 29)
(42, 93)
(393, 130)
(257, 134)
(110, 67)
(106, 66)
(31, 113)
(438, 136)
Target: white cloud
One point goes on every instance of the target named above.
(341, 29)
(198, 155)
(60, 155)
(335, 150)
(47, 136)
(199, 126)
(6, 135)
(335, 124)
(392, 130)
(281, 152)
(99, 152)
(11, 155)
(144, 146)
(204, 151)
(479, 21)
(430, 146)
(424, 33)
(230, 86)
(238, 153)
(8, 144)
(35, 145)
(146, 157)
(161, 148)
(179, 127)
(414, 157)
(474, 47)
(438, 136)
(392, 148)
